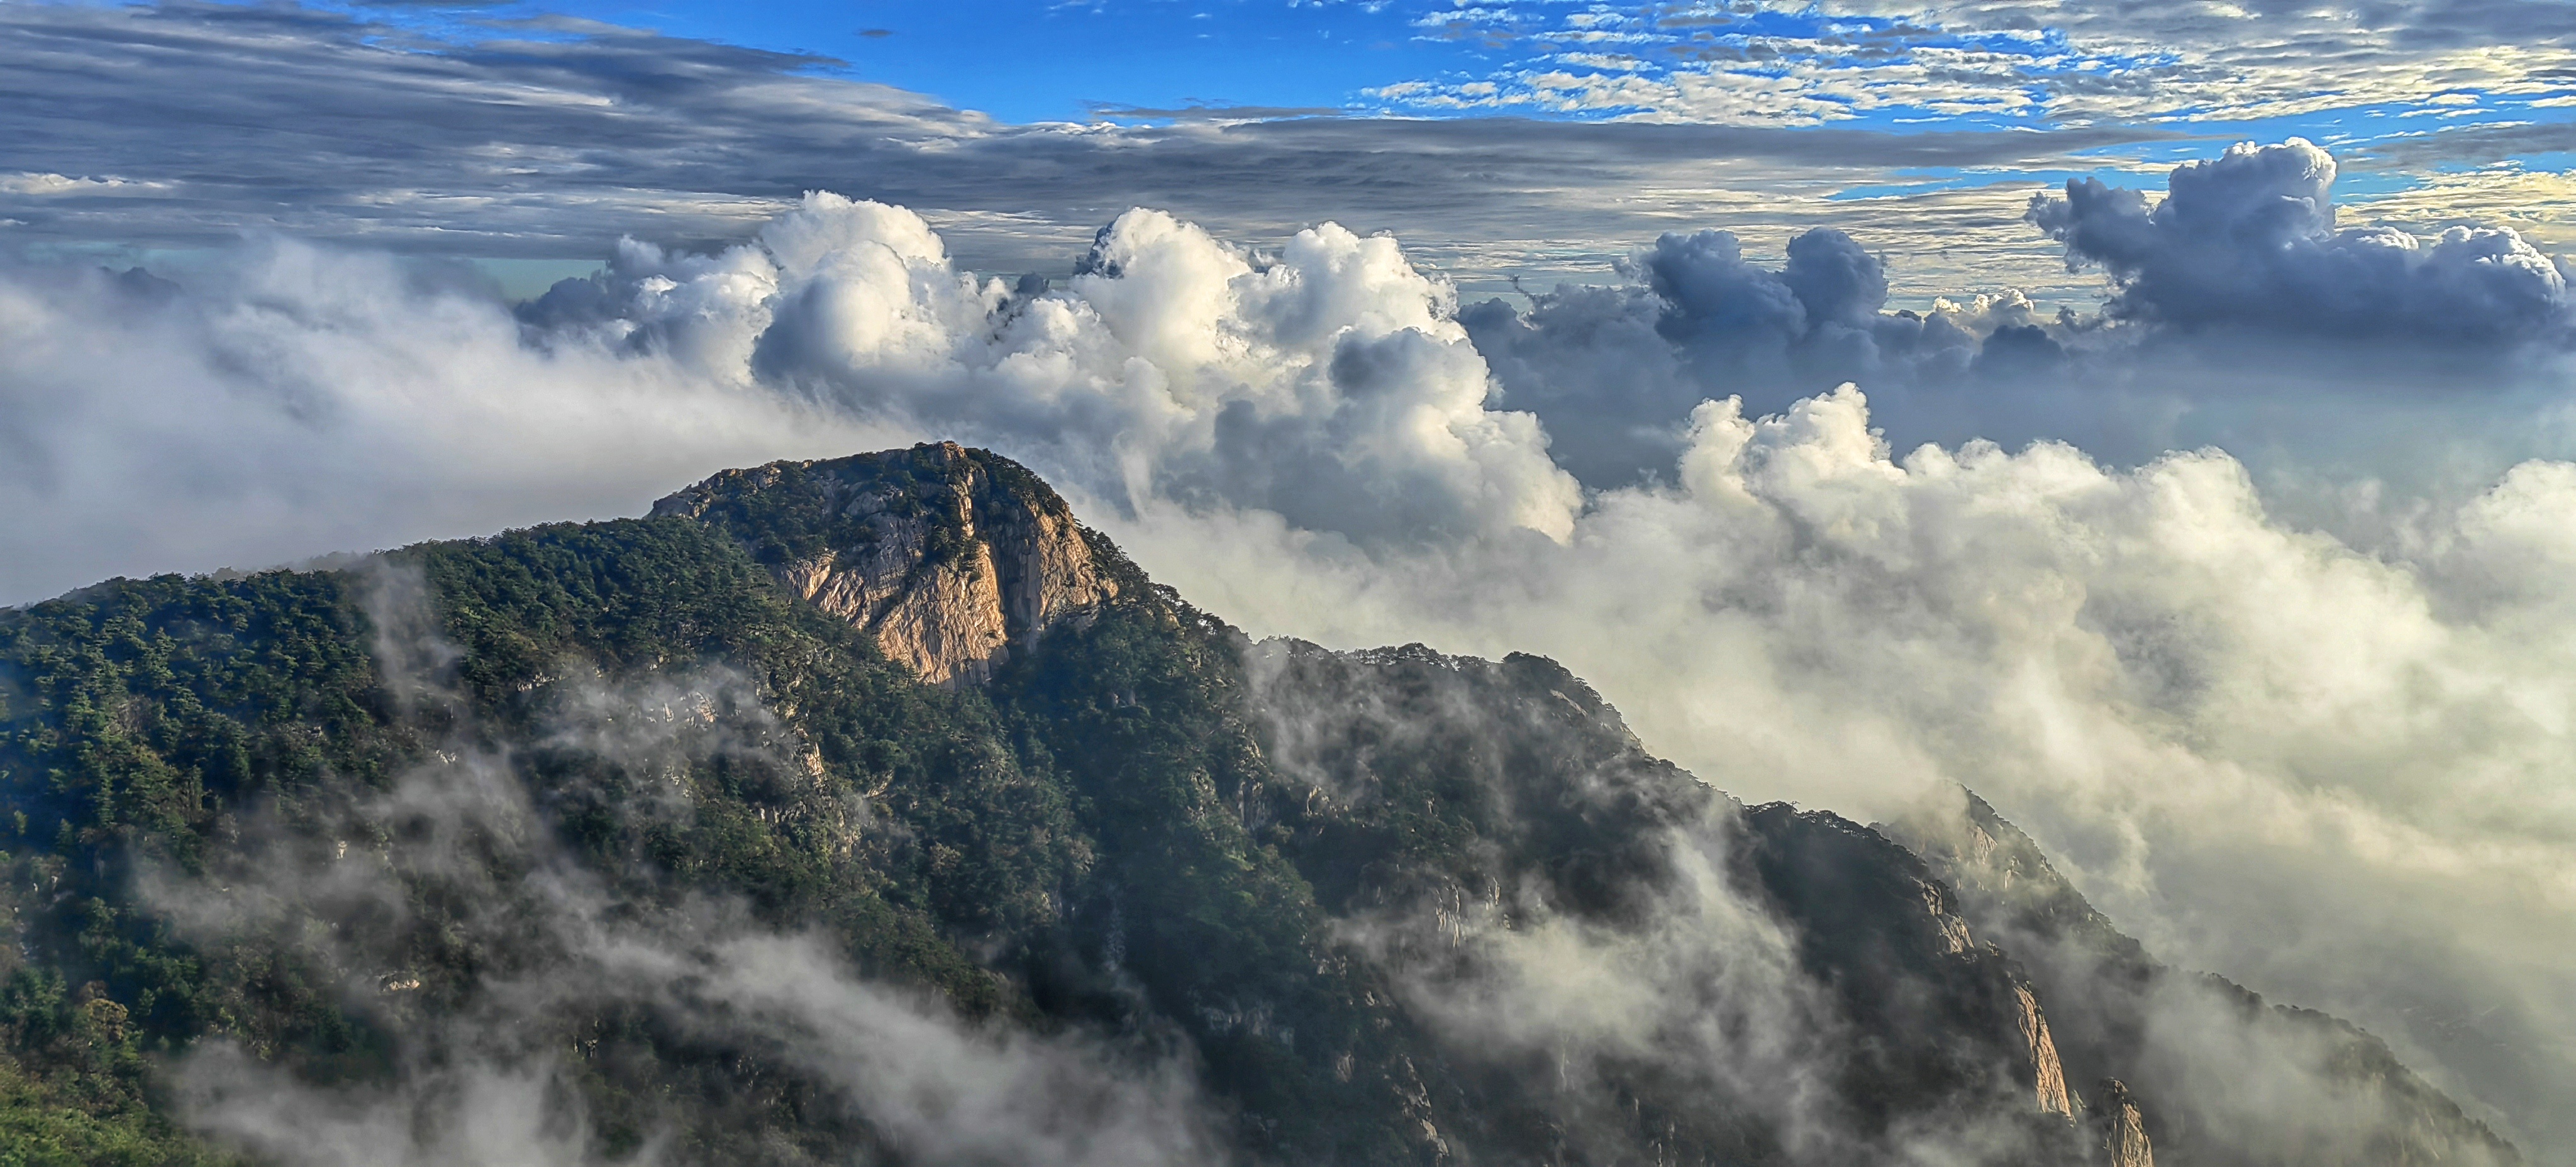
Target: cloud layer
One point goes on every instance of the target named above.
(2332, 767)
(2239, 314)
(1990, 61)
(182, 125)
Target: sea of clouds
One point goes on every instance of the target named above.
(2248, 595)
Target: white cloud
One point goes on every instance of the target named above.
(30, 183)
(303, 400)
(1329, 383)
(2010, 60)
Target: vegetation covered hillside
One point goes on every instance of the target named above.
(874, 811)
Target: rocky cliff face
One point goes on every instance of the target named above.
(2047, 1074)
(2124, 1128)
(2164, 1043)
(951, 558)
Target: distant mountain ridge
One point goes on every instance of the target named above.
(554, 807)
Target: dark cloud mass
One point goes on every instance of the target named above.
(2249, 240)
(2236, 309)
(1614, 370)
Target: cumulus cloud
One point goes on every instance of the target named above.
(1330, 383)
(294, 400)
(2248, 240)
(1614, 370)
(299, 399)
(2236, 312)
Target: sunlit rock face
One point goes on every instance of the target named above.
(2047, 1076)
(949, 557)
(2123, 1128)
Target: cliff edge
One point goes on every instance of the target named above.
(951, 558)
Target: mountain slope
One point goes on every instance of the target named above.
(2181, 1045)
(873, 810)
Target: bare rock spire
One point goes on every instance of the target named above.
(2123, 1127)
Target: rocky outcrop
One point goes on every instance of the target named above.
(950, 558)
(2048, 1076)
(2123, 1127)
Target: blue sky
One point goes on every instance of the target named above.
(1036, 62)
(1953, 69)
(1033, 62)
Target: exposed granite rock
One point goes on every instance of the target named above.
(950, 557)
(1954, 931)
(2123, 1127)
(2048, 1076)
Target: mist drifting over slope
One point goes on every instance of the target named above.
(2291, 701)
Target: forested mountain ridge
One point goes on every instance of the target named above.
(874, 810)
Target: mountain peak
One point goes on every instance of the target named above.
(950, 557)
